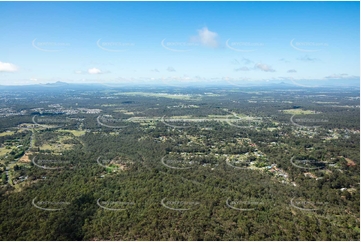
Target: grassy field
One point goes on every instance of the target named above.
(4, 151)
(58, 145)
(7, 133)
(76, 133)
(55, 147)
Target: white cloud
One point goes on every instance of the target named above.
(263, 67)
(206, 38)
(155, 70)
(7, 67)
(94, 71)
(292, 71)
(341, 76)
(171, 69)
(78, 72)
(33, 79)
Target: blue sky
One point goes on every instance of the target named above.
(116, 42)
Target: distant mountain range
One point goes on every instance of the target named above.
(270, 83)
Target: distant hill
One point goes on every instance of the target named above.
(270, 83)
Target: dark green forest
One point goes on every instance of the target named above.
(251, 174)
